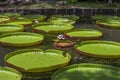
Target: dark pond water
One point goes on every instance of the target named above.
(48, 44)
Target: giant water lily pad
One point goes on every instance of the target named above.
(87, 72)
(35, 17)
(103, 17)
(109, 23)
(100, 49)
(23, 22)
(4, 18)
(61, 20)
(83, 34)
(20, 39)
(37, 60)
(52, 28)
(7, 73)
(12, 14)
(71, 17)
(5, 28)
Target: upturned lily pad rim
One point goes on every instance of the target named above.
(104, 23)
(12, 25)
(49, 23)
(21, 33)
(75, 30)
(86, 65)
(40, 69)
(58, 45)
(11, 70)
(97, 41)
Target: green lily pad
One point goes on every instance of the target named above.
(87, 71)
(100, 49)
(37, 60)
(71, 17)
(61, 20)
(12, 14)
(52, 28)
(103, 17)
(35, 17)
(109, 23)
(20, 39)
(20, 17)
(5, 28)
(83, 34)
(21, 22)
(7, 73)
(4, 18)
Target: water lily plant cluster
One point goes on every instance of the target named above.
(30, 34)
